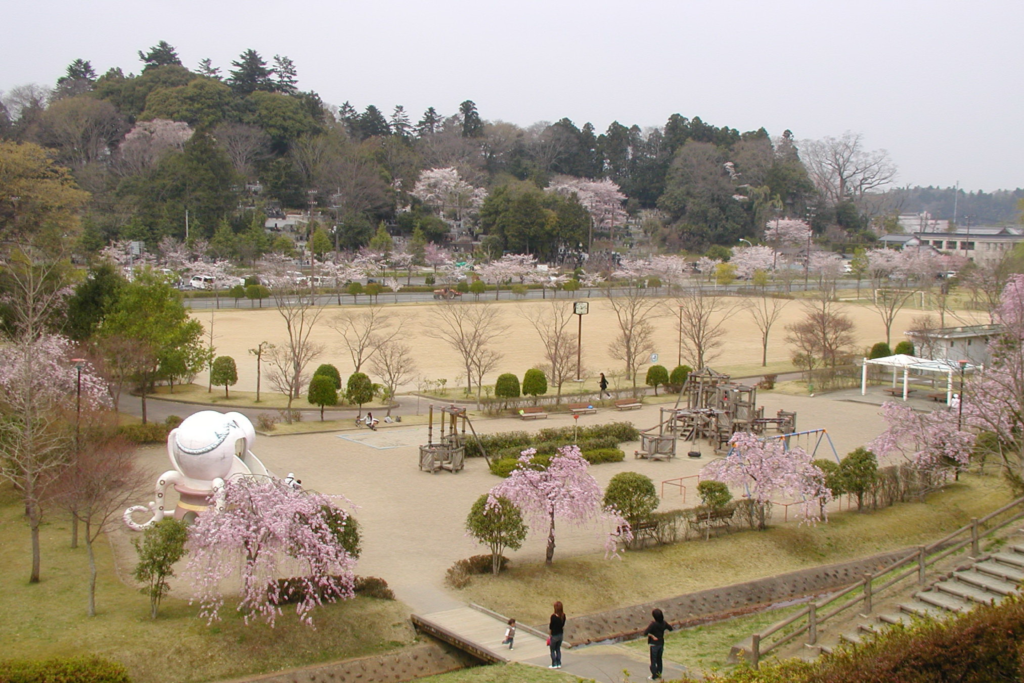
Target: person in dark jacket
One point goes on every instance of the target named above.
(655, 633)
(604, 386)
(556, 627)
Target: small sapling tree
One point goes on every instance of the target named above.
(857, 473)
(497, 526)
(507, 387)
(160, 547)
(535, 383)
(322, 392)
(224, 373)
(633, 495)
(328, 370)
(714, 496)
(359, 390)
(656, 374)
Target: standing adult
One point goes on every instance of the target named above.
(655, 633)
(604, 386)
(556, 627)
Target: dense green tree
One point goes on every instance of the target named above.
(257, 293)
(328, 370)
(283, 118)
(224, 373)
(905, 348)
(147, 329)
(78, 79)
(633, 495)
(656, 374)
(535, 383)
(472, 125)
(129, 94)
(322, 392)
(858, 472)
(880, 350)
(498, 526)
(39, 201)
(251, 74)
(381, 240)
(371, 123)
(320, 244)
(679, 375)
(359, 390)
(507, 386)
(202, 103)
(161, 54)
(91, 301)
(286, 76)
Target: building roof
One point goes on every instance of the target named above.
(965, 332)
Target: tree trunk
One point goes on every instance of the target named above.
(74, 531)
(33, 520)
(92, 571)
(550, 553)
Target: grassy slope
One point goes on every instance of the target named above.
(592, 584)
(49, 618)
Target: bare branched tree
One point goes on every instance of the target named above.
(554, 327)
(888, 302)
(634, 311)
(469, 329)
(393, 363)
(765, 311)
(824, 337)
(702, 314)
(843, 170)
(363, 331)
(101, 481)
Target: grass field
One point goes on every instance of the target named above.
(49, 619)
(587, 584)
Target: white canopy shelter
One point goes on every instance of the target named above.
(908, 363)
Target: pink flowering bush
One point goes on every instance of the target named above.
(277, 532)
(564, 489)
(927, 441)
(764, 469)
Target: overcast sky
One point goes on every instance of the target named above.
(936, 83)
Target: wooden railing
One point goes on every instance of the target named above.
(915, 563)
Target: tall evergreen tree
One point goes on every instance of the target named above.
(285, 75)
(251, 74)
(161, 54)
(472, 125)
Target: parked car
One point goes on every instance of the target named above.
(201, 282)
(446, 293)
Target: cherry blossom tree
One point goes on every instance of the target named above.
(748, 260)
(443, 190)
(277, 532)
(928, 441)
(601, 198)
(993, 400)
(435, 256)
(509, 268)
(787, 232)
(765, 469)
(707, 266)
(564, 489)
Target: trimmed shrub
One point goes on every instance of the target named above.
(677, 378)
(656, 374)
(510, 444)
(460, 573)
(328, 370)
(714, 494)
(879, 350)
(322, 392)
(905, 347)
(535, 383)
(145, 433)
(507, 386)
(64, 670)
(600, 455)
(633, 495)
(224, 373)
(373, 587)
(173, 421)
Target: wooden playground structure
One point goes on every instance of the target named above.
(710, 407)
(449, 453)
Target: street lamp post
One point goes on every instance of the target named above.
(79, 364)
(580, 309)
(960, 402)
(749, 243)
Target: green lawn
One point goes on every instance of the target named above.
(588, 584)
(49, 618)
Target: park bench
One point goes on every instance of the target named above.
(582, 409)
(628, 404)
(704, 520)
(939, 396)
(897, 391)
(532, 413)
(642, 532)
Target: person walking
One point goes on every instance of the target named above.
(510, 634)
(655, 633)
(556, 627)
(604, 386)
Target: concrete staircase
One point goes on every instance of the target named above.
(983, 582)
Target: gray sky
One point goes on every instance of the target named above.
(933, 82)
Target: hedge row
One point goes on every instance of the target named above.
(507, 442)
(63, 670)
(504, 466)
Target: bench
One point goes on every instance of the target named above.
(938, 396)
(706, 520)
(532, 413)
(642, 531)
(897, 391)
(582, 409)
(628, 404)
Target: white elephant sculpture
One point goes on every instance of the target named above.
(206, 449)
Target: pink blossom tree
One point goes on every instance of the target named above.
(277, 532)
(448, 194)
(436, 256)
(564, 489)
(707, 266)
(749, 260)
(601, 198)
(765, 469)
(930, 442)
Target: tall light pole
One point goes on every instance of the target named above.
(79, 364)
(810, 233)
(749, 243)
(960, 402)
(580, 309)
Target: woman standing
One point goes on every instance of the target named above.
(556, 627)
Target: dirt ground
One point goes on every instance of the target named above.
(413, 522)
(238, 330)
